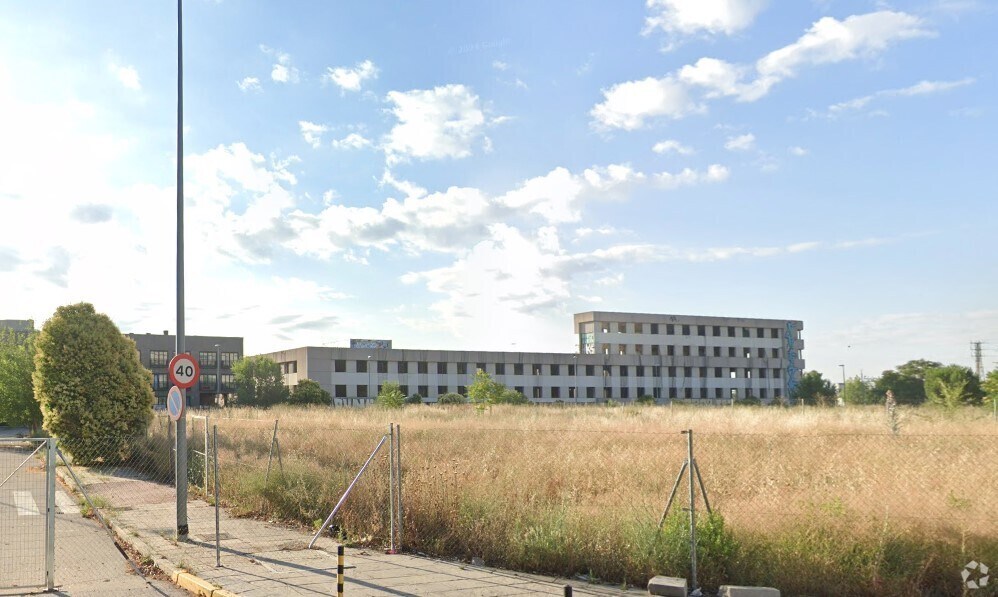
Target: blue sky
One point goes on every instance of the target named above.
(468, 175)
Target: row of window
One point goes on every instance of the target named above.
(206, 383)
(685, 329)
(687, 350)
(422, 367)
(555, 392)
(207, 358)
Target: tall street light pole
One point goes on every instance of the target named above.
(218, 373)
(180, 473)
(575, 367)
(843, 380)
(368, 377)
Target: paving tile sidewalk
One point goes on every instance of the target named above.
(259, 558)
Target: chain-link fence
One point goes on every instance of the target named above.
(23, 514)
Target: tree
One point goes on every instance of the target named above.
(390, 396)
(309, 391)
(451, 398)
(990, 387)
(17, 392)
(484, 390)
(259, 382)
(417, 399)
(952, 386)
(917, 368)
(907, 389)
(814, 389)
(511, 396)
(857, 391)
(95, 395)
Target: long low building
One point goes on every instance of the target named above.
(622, 356)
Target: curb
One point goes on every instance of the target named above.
(183, 579)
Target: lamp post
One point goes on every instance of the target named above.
(575, 367)
(218, 373)
(843, 384)
(368, 377)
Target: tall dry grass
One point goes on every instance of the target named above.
(814, 501)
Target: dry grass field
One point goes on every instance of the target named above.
(816, 501)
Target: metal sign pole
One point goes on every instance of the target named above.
(181, 470)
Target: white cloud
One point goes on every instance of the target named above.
(249, 84)
(920, 88)
(689, 17)
(797, 151)
(312, 133)
(499, 65)
(126, 75)
(671, 145)
(351, 79)
(282, 71)
(740, 143)
(689, 177)
(629, 105)
(352, 141)
(438, 123)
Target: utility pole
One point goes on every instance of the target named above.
(978, 360)
(181, 445)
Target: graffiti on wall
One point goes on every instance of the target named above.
(793, 373)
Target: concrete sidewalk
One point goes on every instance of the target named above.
(259, 558)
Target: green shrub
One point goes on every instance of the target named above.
(414, 399)
(451, 398)
(390, 396)
(645, 400)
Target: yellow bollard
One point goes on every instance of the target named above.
(339, 571)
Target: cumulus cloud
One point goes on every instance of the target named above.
(352, 141)
(433, 124)
(740, 143)
(312, 133)
(688, 17)
(671, 145)
(282, 71)
(126, 75)
(249, 84)
(351, 79)
(632, 104)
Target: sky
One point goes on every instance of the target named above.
(459, 175)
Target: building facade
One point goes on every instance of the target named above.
(215, 354)
(622, 356)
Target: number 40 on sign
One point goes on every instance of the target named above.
(184, 371)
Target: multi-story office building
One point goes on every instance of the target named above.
(215, 354)
(622, 356)
(19, 327)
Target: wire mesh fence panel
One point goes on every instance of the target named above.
(23, 504)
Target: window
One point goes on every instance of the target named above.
(746, 333)
(480, 367)
(762, 374)
(672, 371)
(500, 368)
(639, 349)
(623, 370)
(639, 328)
(207, 358)
(654, 328)
(701, 330)
(441, 390)
(361, 366)
(718, 371)
(228, 382)
(625, 392)
(640, 392)
(686, 351)
(639, 371)
(463, 390)
(718, 393)
(228, 358)
(673, 393)
(670, 351)
(716, 331)
(731, 331)
(518, 369)
(362, 391)
(702, 372)
(774, 333)
(777, 392)
(748, 353)
(607, 393)
(462, 368)
(405, 390)
(703, 392)
(555, 392)
(760, 332)
(590, 370)
(748, 373)
(160, 381)
(776, 353)
(686, 330)
(340, 390)
(159, 358)
(687, 372)
(702, 351)
(734, 393)
(571, 369)
(379, 389)
(571, 393)
(590, 392)
(776, 374)
(655, 349)
(733, 373)
(670, 329)
(382, 366)
(606, 371)
(519, 389)
(762, 393)
(688, 393)
(731, 351)
(423, 391)
(442, 369)
(537, 391)
(403, 367)
(656, 393)
(656, 371)
(621, 349)
(555, 370)
(606, 327)
(761, 353)
(289, 367)
(422, 367)
(340, 366)
(621, 328)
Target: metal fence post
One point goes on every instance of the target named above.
(270, 460)
(50, 514)
(693, 520)
(391, 488)
(214, 456)
(206, 454)
(398, 463)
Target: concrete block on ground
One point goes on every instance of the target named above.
(736, 591)
(667, 585)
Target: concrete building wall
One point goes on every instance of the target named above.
(156, 350)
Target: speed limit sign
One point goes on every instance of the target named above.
(184, 371)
